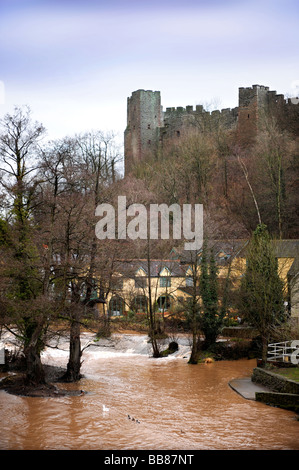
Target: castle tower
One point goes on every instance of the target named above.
(253, 101)
(144, 118)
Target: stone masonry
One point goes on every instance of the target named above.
(149, 128)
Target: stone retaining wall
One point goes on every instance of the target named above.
(274, 382)
(288, 401)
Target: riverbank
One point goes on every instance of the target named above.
(270, 387)
(280, 390)
(15, 384)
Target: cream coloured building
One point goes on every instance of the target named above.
(170, 282)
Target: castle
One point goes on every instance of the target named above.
(149, 130)
(149, 127)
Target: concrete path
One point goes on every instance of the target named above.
(246, 387)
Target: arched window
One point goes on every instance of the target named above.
(116, 305)
(164, 303)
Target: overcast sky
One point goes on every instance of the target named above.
(75, 62)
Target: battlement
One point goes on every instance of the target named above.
(199, 109)
(188, 109)
(136, 92)
(149, 128)
(255, 87)
(263, 93)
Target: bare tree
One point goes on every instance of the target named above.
(18, 145)
(273, 149)
(245, 172)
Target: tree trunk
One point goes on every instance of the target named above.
(152, 320)
(194, 351)
(243, 166)
(156, 351)
(74, 364)
(194, 310)
(210, 340)
(34, 370)
(33, 344)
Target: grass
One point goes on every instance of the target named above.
(291, 373)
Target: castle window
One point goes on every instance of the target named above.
(248, 116)
(148, 126)
(149, 142)
(178, 133)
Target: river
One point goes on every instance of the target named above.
(174, 405)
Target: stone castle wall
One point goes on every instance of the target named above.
(149, 127)
(144, 119)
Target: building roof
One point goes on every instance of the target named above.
(224, 252)
(130, 268)
(282, 248)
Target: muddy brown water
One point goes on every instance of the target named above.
(178, 406)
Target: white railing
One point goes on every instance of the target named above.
(286, 351)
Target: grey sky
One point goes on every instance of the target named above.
(75, 62)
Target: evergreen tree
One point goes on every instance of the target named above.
(261, 293)
(211, 317)
(192, 309)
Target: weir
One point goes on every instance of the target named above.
(134, 344)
